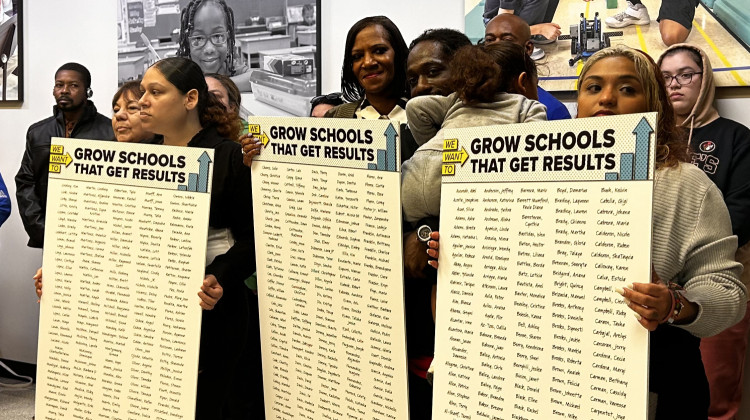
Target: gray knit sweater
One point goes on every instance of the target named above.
(693, 245)
(428, 116)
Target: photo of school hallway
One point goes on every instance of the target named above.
(729, 57)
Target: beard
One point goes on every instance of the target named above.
(67, 104)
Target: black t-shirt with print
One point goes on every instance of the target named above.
(722, 149)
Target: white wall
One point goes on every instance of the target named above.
(57, 31)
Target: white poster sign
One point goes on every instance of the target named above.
(330, 282)
(539, 223)
(124, 257)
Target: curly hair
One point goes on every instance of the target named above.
(186, 75)
(450, 40)
(479, 72)
(187, 24)
(351, 90)
(670, 141)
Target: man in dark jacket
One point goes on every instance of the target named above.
(74, 116)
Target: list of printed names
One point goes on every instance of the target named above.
(331, 292)
(535, 329)
(120, 316)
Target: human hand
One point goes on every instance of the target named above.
(548, 30)
(251, 147)
(433, 249)
(415, 257)
(211, 292)
(38, 284)
(651, 302)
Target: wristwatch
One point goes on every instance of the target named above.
(423, 233)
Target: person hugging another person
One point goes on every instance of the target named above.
(488, 85)
(207, 37)
(721, 148)
(494, 84)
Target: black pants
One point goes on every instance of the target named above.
(677, 375)
(223, 340)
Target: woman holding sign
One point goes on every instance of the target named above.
(695, 289)
(177, 104)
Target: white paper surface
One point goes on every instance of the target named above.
(330, 282)
(531, 249)
(124, 257)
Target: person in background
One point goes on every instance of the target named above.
(319, 105)
(308, 14)
(721, 148)
(74, 115)
(506, 27)
(373, 76)
(177, 104)
(225, 91)
(207, 37)
(245, 399)
(126, 115)
(4, 202)
(675, 18)
(537, 14)
(430, 55)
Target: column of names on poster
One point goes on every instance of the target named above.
(329, 269)
(123, 261)
(529, 325)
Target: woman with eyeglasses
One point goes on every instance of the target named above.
(721, 147)
(207, 38)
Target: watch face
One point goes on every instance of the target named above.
(424, 233)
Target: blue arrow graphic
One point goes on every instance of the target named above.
(390, 148)
(205, 164)
(642, 133)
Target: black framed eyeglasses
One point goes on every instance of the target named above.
(682, 79)
(199, 41)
